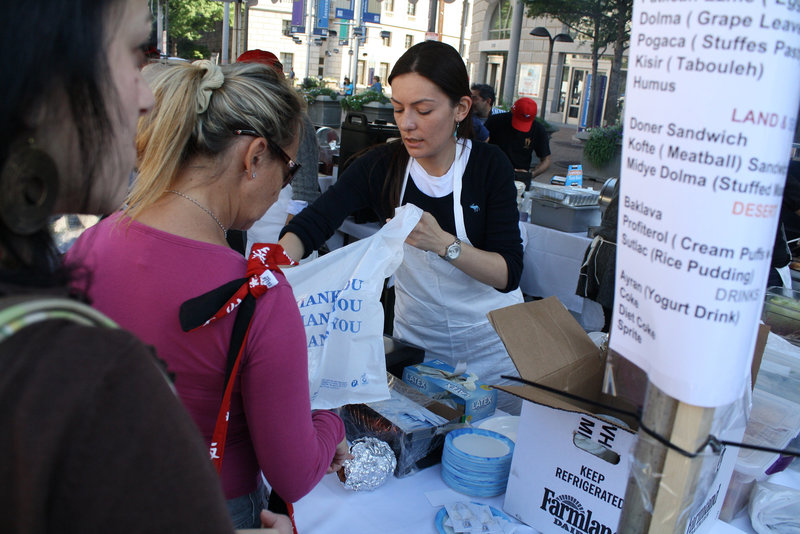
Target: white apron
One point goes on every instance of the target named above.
(443, 310)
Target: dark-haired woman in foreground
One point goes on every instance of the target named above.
(464, 258)
(94, 439)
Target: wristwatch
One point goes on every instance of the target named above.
(453, 251)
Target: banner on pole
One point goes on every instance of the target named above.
(298, 16)
(343, 9)
(323, 14)
(371, 11)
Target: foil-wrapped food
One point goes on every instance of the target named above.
(372, 464)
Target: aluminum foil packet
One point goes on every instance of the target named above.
(373, 463)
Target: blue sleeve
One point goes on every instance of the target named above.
(481, 133)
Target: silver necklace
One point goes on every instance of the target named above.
(205, 209)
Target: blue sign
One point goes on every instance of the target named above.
(371, 11)
(587, 94)
(323, 12)
(343, 9)
(298, 16)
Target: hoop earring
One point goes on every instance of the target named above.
(28, 188)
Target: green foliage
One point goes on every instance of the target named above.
(311, 94)
(601, 22)
(544, 123)
(189, 21)
(590, 18)
(603, 144)
(309, 83)
(356, 102)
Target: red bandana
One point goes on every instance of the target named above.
(264, 258)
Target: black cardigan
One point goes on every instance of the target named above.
(488, 197)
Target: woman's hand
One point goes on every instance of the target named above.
(428, 235)
(342, 453)
(279, 522)
(487, 267)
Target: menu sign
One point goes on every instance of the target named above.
(710, 112)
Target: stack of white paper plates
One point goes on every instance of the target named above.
(502, 424)
(476, 462)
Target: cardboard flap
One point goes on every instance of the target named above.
(542, 338)
(582, 378)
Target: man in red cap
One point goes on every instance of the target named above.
(519, 136)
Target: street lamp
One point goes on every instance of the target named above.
(541, 31)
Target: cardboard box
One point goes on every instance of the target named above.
(463, 392)
(570, 466)
(415, 448)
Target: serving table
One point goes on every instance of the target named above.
(404, 505)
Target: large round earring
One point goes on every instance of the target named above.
(28, 188)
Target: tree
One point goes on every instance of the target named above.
(599, 21)
(189, 20)
(621, 19)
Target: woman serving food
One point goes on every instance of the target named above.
(464, 258)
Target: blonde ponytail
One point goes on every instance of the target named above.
(198, 106)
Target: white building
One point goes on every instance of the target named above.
(403, 23)
(491, 45)
(481, 30)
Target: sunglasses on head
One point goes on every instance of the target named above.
(291, 165)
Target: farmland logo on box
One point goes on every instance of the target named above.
(568, 513)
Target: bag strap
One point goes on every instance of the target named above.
(241, 329)
(236, 296)
(17, 312)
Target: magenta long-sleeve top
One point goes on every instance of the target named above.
(139, 276)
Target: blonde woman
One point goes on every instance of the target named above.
(214, 154)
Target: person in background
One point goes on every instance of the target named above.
(519, 135)
(483, 99)
(788, 230)
(214, 154)
(94, 439)
(464, 257)
(479, 131)
(376, 84)
(303, 190)
(597, 278)
(347, 87)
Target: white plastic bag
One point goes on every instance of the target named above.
(339, 300)
(774, 509)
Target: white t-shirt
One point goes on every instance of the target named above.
(439, 186)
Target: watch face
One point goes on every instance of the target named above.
(453, 251)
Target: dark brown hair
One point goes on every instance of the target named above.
(441, 64)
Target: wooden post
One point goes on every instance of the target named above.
(662, 482)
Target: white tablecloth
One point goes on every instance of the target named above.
(398, 507)
(402, 506)
(551, 266)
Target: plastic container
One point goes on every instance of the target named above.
(571, 219)
(782, 313)
(774, 422)
(566, 195)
